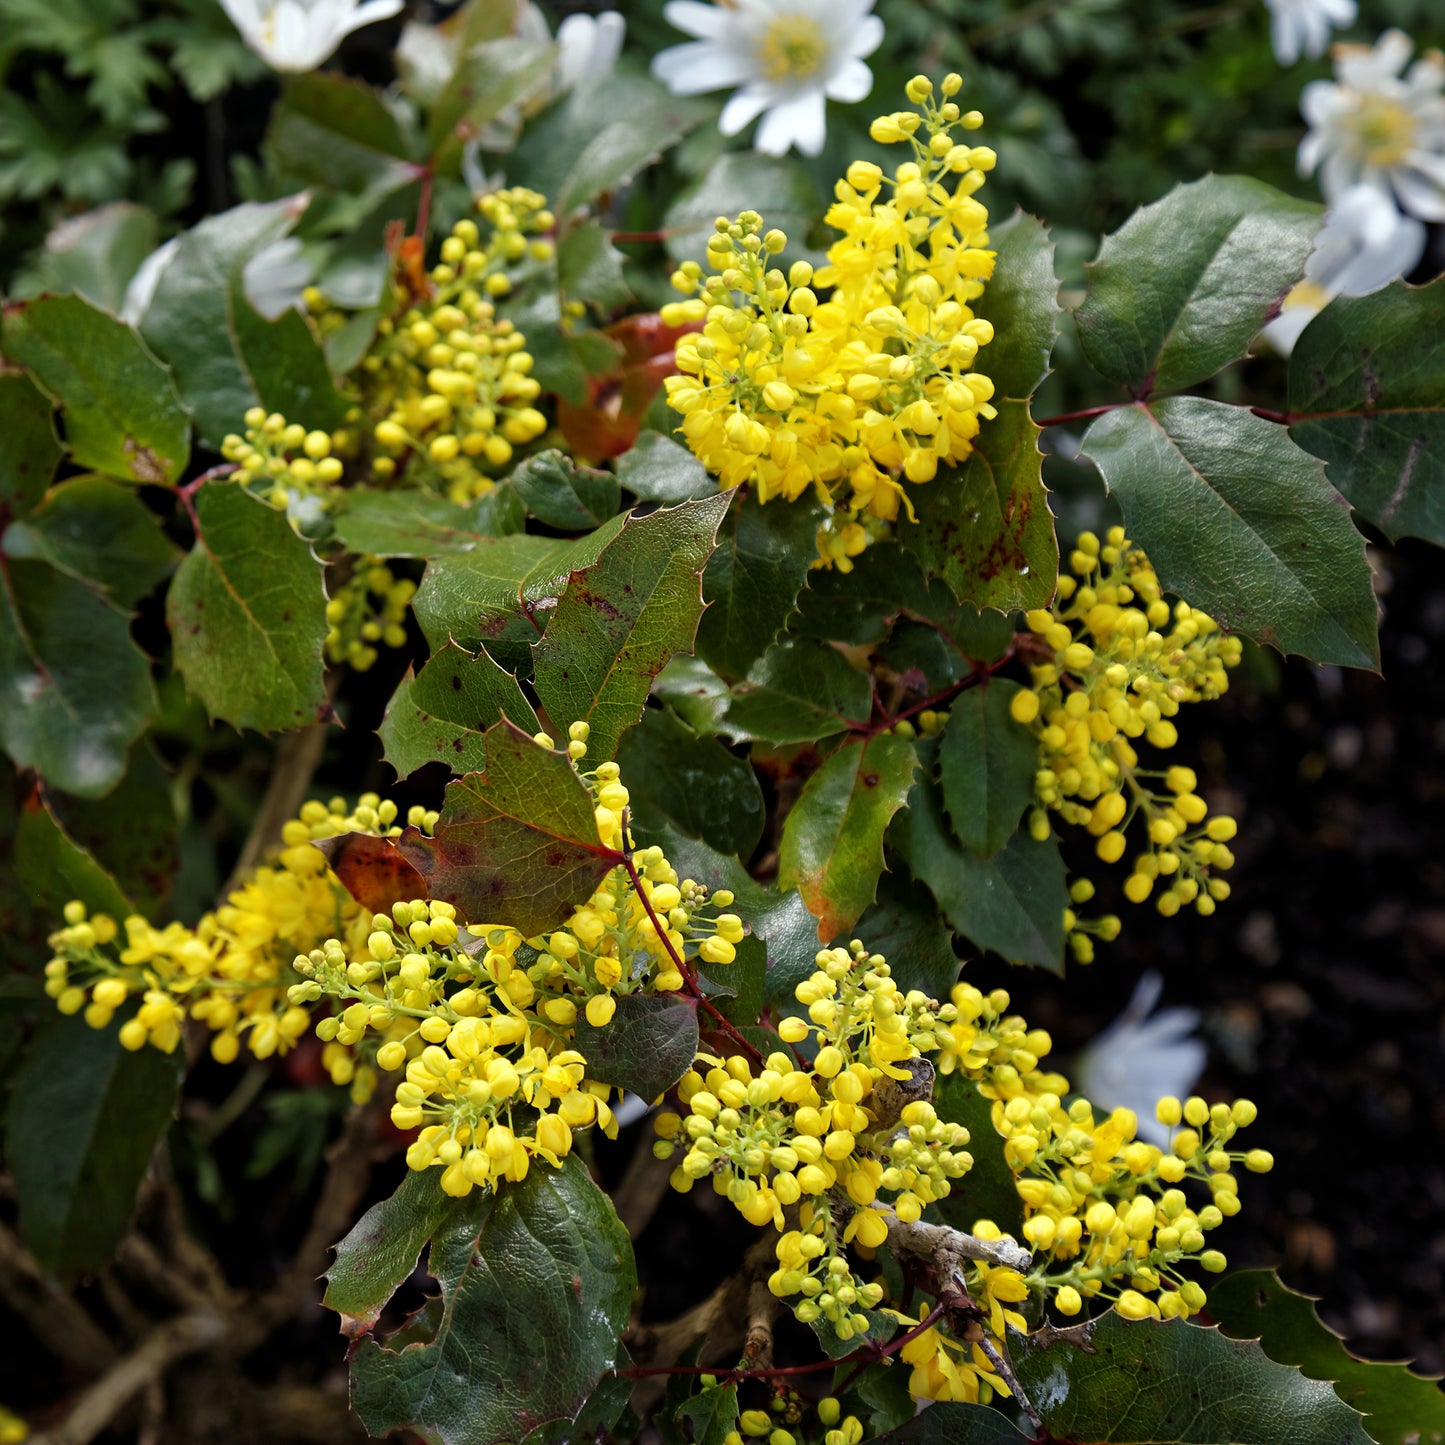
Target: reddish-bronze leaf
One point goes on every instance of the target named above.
(372, 871)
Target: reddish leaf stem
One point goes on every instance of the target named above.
(1085, 415)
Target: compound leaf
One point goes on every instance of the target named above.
(31, 452)
(646, 1047)
(1242, 524)
(797, 692)
(987, 764)
(561, 494)
(1021, 301)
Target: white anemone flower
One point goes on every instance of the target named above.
(1302, 27)
(1374, 126)
(587, 48)
(787, 57)
(297, 35)
(1138, 1060)
(1364, 244)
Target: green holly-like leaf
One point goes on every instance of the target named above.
(247, 614)
(517, 842)
(656, 469)
(442, 713)
(589, 268)
(1012, 903)
(332, 131)
(832, 848)
(1184, 286)
(648, 1045)
(676, 774)
(1367, 396)
(779, 188)
(490, 77)
(535, 1292)
(1399, 1408)
(31, 452)
(1173, 1383)
(502, 591)
(381, 1251)
(121, 412)
(984, 527)
(415, 524)
(989, 1190)
(952, 1422)
(96, 531)
(904, 925)
(96, 254)
(227, 357)
(84, 1116)
(799, 691)
(753, 580)
(622, 618)
(75, 690)
(987, 764)
(1242, 524)
(561, 494)
(1021, 300)
(41, 869)
(711, 1415)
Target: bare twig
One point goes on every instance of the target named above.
(60, 1323)
(642, 1188)
(102, 1402)
(297, 757)
(762, 1310)
(945, 1249)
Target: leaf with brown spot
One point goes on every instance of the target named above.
(372, 871)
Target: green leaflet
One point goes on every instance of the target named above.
(1241, 523)
(647, 1046)
(247, 614)
(986, 763)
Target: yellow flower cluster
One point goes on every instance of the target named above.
(1119, 664)
(447, 386)
(232, 970)
(1102, 1209)
(839, 1429)
(297, 463)
(870, 384)
(784, 1137)
(368, 609)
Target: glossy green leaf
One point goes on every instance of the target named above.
(832, 847)
(442, 713)
(905, 926)
(97, 253)
(31, 452)
(622, 618)
(1021, 300)
(952, 1422)
(132, 832)
(989, 1190)
(1184, 286)
(489, 77)
(536, 1294)
(381, 1250)
(1242, 524)
(516, 841)
(987, 764)
(984, 527)
(415, 524)
(119, 405)
(75, 690)
(711, 1415)
(753, 580)
(647, 1047)
(561, 494)
(96, 531)
(606, 1411)
(1012, 903)
(657, 469)
(695, 692)
(331, 131)
(1173, 1383)
(247, 615)
(226, 356)
(502, 592)
(779, 188)
(84, 1116)
(41, 869)
(798, 692)
(589, 268)
(1367, 396)
(1399, 1408)
(693, 781)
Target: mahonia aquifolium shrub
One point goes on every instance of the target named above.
(1109, 676)
(869, 385)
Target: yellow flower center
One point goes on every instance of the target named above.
(1386, 130)
(793, 47)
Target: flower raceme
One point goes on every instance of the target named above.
(480, 1021)
(1113, 676)
(857, 378)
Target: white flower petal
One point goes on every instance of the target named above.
(798, 121)
(707, 22)
(867, 37)
(699, 66)
(745, 106)
(852, 82)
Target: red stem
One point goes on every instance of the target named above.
(1265, 413)
(423, 204)
(1084, 415)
